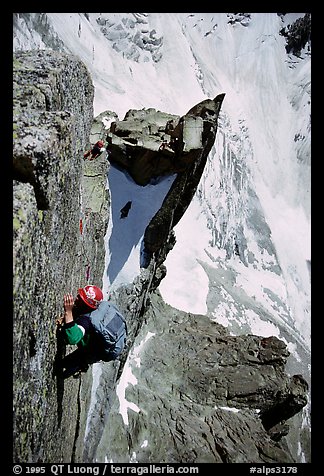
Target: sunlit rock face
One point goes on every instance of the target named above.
(53, 113)
(150, 143)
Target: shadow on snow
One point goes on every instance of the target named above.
(127, 229)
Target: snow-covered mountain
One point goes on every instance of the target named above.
(242, 255)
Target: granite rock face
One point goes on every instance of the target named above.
(53, 113)
(150, 143)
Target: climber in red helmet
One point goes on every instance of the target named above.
(77, 330)
(95, 151)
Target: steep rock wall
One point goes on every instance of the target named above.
(53, 113)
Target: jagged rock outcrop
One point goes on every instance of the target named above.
(150, 143)
(136, 144)
(52, 191)
(209, 395)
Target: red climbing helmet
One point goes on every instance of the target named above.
(91, 295)
(100, 143)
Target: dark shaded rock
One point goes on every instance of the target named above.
(298, 35)
(286, 404)
(278, 431)
(203, 389)
(94, 422)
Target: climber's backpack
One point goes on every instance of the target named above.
(110, 324)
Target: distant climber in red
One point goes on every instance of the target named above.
(95, 151)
